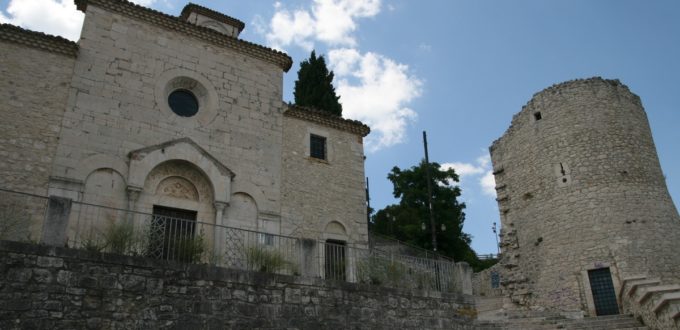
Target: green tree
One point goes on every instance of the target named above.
(314, 86)
(404, 221)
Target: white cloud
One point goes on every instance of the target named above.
(145, 3)
(479, 170)
(328, 21)
(464, 169)
(375, 90)
(488, 184)
(56, 17)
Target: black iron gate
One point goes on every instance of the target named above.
(602, 288)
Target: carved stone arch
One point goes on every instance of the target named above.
(105, 186)
(336, 230)
(143, 161)
(178, 187)
(99, 161)
(246, 187)
(242, 211)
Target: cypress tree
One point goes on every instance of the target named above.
(314, 87)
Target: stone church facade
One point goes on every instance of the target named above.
(149, 110)
(583, 201)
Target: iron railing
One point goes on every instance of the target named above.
(116, 230)
(391, 245)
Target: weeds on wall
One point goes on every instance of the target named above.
(380, 271)
(120, 238)
(259, 258)
(386, 272)
(188, 249)
(125, 238)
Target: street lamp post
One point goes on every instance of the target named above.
(429, 193)
(495, 235)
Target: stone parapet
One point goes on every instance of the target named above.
(326, 119)
(38, 40)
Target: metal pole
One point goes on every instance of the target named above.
(368, 203)
(498, 247)
(429, 193)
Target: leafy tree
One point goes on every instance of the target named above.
(404, 221)
(314, 86)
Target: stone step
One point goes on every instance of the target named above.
(626, 283)
(635, 285)
(559, 322)
(666, 300)
(648, 292)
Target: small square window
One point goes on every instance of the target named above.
(537, 115)
(317, 147)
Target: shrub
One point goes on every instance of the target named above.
(261, 259)
(188, 249)
(119, 237)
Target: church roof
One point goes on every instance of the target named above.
(177, 24)
(192, 7)
(327, 119)
(38, 40)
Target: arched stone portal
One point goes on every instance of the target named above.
(181, 175)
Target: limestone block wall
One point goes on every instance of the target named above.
(46, 288)
(118, 103)
(579, 188)
(33, 89)
(323, 198)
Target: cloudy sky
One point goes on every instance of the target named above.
(457, 69)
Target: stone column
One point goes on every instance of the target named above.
(219, 232)
(133, 196)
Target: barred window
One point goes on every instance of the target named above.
(317, 147)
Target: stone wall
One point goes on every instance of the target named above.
(33, 89)
(57, 288)
(323, 198)
(486, 284)
(580, 188)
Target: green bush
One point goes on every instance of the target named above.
(120, 238)
(188, 249)
(380, 271)
(260, 259)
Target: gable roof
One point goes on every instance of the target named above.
(141, 153)
(192, 7)
(327, 119)
(177, 24)
(38, 40)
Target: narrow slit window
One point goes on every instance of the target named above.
(317, 147)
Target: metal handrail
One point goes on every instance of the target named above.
(117, 230)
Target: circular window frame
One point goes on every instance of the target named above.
(201, 88)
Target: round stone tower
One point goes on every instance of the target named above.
(582, 197)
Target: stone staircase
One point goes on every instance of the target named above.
(658, 304)
(491, 315)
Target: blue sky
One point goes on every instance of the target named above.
(457, 69)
